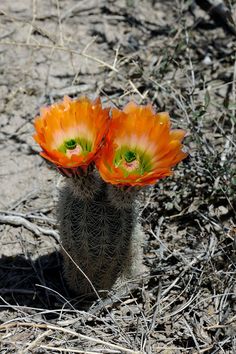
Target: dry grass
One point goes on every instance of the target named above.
(122, 50)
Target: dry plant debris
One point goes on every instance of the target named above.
(147, 51)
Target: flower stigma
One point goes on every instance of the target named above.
(129, 156)
(70, 144)
(130, 162)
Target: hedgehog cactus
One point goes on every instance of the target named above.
(97, 210)
(102, 236)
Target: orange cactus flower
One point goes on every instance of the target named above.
(71, 132)
(140, 148)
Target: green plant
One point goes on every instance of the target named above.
(100, 231)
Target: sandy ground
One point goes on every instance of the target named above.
(165, 52)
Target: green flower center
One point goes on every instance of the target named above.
(130, 156)
(76, 144)
(70, 144)
(133, 160)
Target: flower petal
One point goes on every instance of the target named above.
(147, 138)
(80, 121)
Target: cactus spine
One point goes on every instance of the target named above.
(99, 229)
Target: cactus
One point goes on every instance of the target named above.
(100, 231)
(98, 220)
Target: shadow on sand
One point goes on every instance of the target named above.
(36, 284)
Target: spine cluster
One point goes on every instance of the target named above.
(100, 231)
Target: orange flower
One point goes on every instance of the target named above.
(71, 132)
(140, 148)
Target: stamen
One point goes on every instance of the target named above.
(131, 166)
(77, 151)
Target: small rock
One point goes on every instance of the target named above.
(207, 60)
(221, 210)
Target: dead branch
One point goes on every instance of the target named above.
(20, 221)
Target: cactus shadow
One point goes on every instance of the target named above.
(36, 284)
